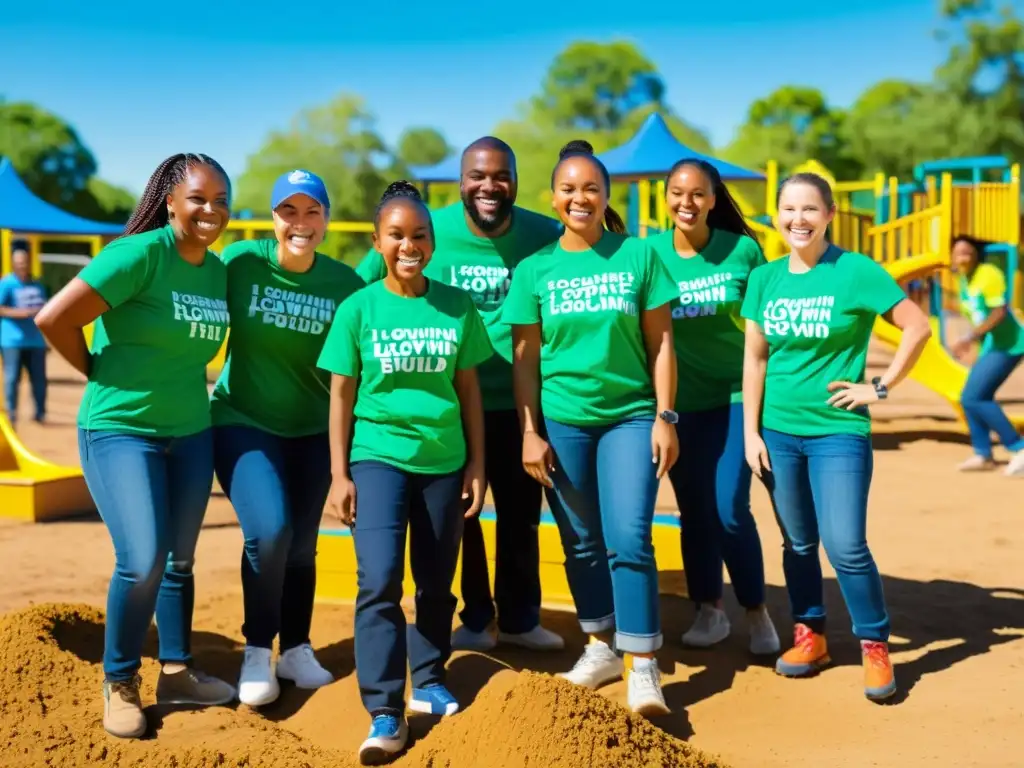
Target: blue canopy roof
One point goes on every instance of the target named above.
(22, 211)
(447, 170)
(653, 151)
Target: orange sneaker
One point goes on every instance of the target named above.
(879, 678)
(808, 655)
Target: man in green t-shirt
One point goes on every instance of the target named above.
(479, 243)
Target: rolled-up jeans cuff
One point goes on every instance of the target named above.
(593, 626)
(638, 643)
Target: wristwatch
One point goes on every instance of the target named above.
(670, 416)
(880, 389)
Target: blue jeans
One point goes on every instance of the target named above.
(819, 488)
(982, 412)
(517, 502)
(152, 495)
(33, 360)
(278, 486)
(711, 481)
(383, 640)
(605, 489)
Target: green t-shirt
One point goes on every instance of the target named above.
(593, 362)
(405, 352)
(483, 266)
(706, 322)
(279, 320)
(817, 325)
(167, 320)
(984, 291)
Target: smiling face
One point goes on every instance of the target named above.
(488, 187)
(300, 223)
(964, 257)
(200, 206)
(690, 197)
(403, 238)
(803, 215)
(579, 196)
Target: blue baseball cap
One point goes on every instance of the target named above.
(299, 182)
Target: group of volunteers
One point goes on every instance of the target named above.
(477, 345)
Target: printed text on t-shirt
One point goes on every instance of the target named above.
(292, 310)
(605, 291)
(414, 350)
(808, 317)
(487, 285)
(206, 317)
(701, 296)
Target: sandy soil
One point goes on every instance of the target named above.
(948, 546)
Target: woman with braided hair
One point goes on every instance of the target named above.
(157, 297)
(406, 421)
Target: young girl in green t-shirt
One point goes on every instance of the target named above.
(407, 453)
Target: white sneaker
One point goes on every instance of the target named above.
(764, 640)
(644, 694)
(598, 665)
(1016, 465)
(299, 665)
(257, 684)
(710, 627)
(465, 639)
(537, 639)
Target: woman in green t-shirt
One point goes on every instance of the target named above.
(983, 302)
(709, 251)
(407, 452)
(592, 333)
(157, 297)
(809, 321)
(269, 410)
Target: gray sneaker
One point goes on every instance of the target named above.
(122, 709)
(190, 686)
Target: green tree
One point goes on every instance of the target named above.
(339, 142)
(791, 125)
(419, 146)
(600, 92)
(45, 151)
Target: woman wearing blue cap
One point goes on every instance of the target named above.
(270, 407)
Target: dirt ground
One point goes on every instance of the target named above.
(949, 547)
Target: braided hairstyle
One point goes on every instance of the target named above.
(583, 148)
(151, 212)
(726, 214)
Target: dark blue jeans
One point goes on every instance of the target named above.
(383, 640)
(819, 488)
(152, 495)
(517, 502)
(605, 488)
(983, 414)
(278, 486)
(711, 481)
(32, 360)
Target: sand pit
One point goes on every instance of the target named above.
(48, 717)
(948, 546)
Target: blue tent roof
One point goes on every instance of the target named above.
(22, 211)
(447, 170)
(653, 151)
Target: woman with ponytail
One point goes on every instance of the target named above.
(710, 252)
(407, 454)
(157, 297)
(592, 333)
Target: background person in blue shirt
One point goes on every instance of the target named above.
(21, 343)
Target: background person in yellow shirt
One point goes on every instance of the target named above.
(983, 303)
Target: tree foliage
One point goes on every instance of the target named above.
(421, 146)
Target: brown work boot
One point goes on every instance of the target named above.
(807, 656)
(122, 709)
(190, 686)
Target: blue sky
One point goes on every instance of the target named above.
(141, 80)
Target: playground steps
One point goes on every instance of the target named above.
(336, 562)
(34, 490)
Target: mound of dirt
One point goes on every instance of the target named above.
(51, 715)
(546, 721)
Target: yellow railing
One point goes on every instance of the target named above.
(989, 211)
(907, 236)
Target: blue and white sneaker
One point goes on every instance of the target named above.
(433, 700)
(388, 736)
